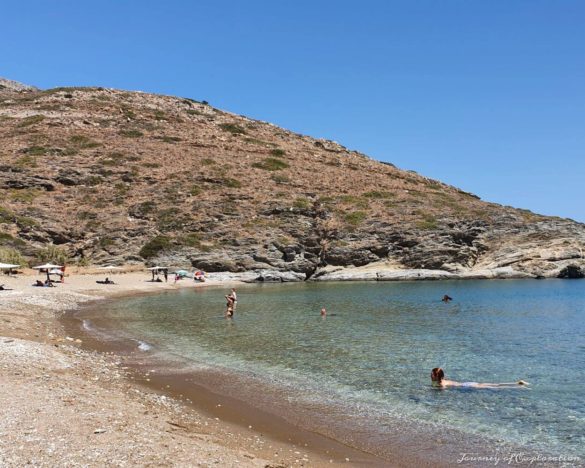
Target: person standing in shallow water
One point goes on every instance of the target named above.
(323, 312)
(234, 298)
(229, 307)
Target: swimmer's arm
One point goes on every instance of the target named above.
(450, 383)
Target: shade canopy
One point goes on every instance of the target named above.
(7, 266)
(47, 266)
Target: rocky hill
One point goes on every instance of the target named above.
(114, 176)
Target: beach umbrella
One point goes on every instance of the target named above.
(156, 269)
(48, 267)
(8, 266)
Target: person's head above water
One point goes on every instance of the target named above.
(437, 375)
(323, 311)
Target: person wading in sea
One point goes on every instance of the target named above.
(229, 307)
(234, 298)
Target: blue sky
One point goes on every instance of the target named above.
(485, 95)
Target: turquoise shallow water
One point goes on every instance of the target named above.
(367, 367)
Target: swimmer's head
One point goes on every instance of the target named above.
(323, 311)
(437, 375)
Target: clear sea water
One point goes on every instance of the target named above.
(362, 374)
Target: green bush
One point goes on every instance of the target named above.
(355, 218)
(6, 216)
(378, 194)
(131, 133)
(83, 142)
(26, 161)
(191, 240)
(160, 115)
(24, 195)
(271, 164)
(428, 222)
(232, 183)
(280, 178)
(155, 246)
(53, 254)
(28, 121)
(10, 255)
(277, 152)
(169, 139)
(106, 242)
(234, 129)
(93, 180)
(302, 203)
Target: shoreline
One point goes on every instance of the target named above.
(32, 322)
(193, 392)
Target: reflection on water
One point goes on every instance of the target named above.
(369, 360)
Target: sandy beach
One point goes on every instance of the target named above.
(66, 404)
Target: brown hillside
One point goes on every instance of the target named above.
(110, 175)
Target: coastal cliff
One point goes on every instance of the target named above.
(97, 176)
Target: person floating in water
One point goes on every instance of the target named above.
(446, 298)
(438, 379)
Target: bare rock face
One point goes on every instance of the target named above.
(110, 175)
(11, 85)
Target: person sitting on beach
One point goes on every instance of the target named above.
(106, 281)
(2, 287)
(446, 298)
(49, 284)
(438, 380)
(38, 283)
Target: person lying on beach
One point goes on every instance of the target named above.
(446, 298)
(438, 380)
(39, 283)
(106, 281)
(49, 284)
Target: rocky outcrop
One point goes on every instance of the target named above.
(10, 85)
